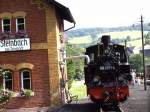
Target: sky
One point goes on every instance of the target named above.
(107, 13)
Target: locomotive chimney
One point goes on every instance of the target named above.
(105, 40)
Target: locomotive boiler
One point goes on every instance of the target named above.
(108, 73)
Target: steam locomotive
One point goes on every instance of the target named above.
(108, 73)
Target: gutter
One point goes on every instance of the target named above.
(70, 27)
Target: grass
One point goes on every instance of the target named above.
(123, 34)
(78, 88)
(81, 40)
(114, 35)
(137, 43)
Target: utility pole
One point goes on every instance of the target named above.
(143, 53)
(125, 42)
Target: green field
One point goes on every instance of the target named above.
(123, 34)
(114, 35)
(137, 43)
(78, 88)
(80, 40)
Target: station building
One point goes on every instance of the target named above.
(31, 43)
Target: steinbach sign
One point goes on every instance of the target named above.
(15, 45)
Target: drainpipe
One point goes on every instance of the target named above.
(75, 57)
(70, 27)
(64, 94)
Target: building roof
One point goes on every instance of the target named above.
(146, 50)
(63, 11)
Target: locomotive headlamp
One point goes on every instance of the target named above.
(96, 79)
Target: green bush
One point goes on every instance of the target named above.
(5, 95)
(26, 93)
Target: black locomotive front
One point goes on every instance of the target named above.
(108, 73)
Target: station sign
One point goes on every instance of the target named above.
(15, 45)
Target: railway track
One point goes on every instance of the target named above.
(133, 104)
(110, 109)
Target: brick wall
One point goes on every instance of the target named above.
(45, 76)
(35, 18)
(41, 26)
(40, 77)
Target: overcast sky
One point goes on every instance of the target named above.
(107, 13)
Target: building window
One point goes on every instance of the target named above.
(8, 81)
(20, 24)
(6, 25)
(25, 79)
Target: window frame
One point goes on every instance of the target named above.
(22, 80)
(12, 81)
(21, 24)
(2, 22)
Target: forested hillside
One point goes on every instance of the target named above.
(94, 31)
(89, 36)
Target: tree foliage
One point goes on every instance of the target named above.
(70, 72)
(98, 30)
(5, 95)
(74, 67)
(147, 38)
(136, 62)
(128, 38)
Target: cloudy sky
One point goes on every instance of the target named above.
(107, 13)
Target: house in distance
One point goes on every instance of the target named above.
(31, 45)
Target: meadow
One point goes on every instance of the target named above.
(78, 88)
(134, 36)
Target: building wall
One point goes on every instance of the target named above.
(34, 18)
(39, 75)
(53, 56)
(42, 28)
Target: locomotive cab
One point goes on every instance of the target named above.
(108, 73)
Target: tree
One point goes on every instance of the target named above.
(78, 74)
(147, 38)
(73, 66)
(148, 35)
(5, 95)
(128, 38)
(70, 72)
(135, 61)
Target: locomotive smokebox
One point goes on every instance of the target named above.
(105, 40)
